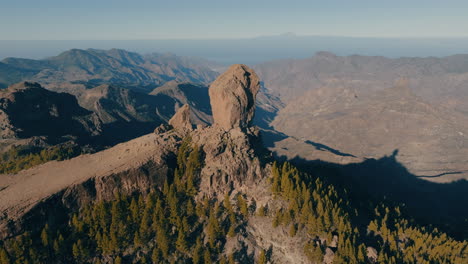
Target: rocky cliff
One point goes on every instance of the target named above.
(232, 162)
(27, 109)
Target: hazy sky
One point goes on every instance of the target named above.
(155, 19)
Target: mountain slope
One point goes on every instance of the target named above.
(191, 94)
(438, 80)
(94, 67)
(343, 109)
(29, 110)
(430, 140)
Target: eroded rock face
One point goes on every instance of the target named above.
(232, 97)
(231, 160)
(181, 119)
(28, 110)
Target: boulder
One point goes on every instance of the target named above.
(181, 119)
(232, 97)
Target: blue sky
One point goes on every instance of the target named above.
(201, 19)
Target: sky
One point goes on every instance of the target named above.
(221, 19)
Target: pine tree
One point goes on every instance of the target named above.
(242, 204)
(145, 227)
(156, 255)
(231, 231)
(293, 230)
(262, 259)
(261, 211)
(197, 252)
(213, 228)
(276, 219)
(231, 259)
(313, 252)
(135, 211)
(137, 239)
(162, 240)
(223, 260)
(276, 179)
(4, 258)
(76, 250)
(227, 203)
(45, 236)
(361, 254)
(207, 256)
(181, 243)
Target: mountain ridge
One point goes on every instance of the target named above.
(358, 104)
(106, 66)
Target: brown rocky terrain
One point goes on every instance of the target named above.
(437, 80)
(27, 110)
(108, 113)
(112, 87)
(344, 110)
(430, 140)
(232, 163)
(191, 94)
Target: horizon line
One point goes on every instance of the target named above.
(285, 35)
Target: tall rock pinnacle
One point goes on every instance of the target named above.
(232, 97)
(181, 119)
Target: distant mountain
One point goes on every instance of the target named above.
(439, 80)
(28, 110)
(344, 109)
(251, 51)
(127, 114)
(107, 114)
(93, 67)
(196, 96)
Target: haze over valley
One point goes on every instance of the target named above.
(203, 135)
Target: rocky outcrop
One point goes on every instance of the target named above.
(181, 119)
(233, 162)
(232, 97)
(27, 110)
(194, 95)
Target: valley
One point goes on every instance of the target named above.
(231, 168)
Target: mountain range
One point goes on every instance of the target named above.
(347, 109)
(93, 67)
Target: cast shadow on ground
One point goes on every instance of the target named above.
(270, 136)
(442, 205)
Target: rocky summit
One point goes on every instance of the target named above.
(232, 97)
(231, 161)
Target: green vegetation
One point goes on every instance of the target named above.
(323, 212)
(17, 158)
(165, 226)
(175, 224)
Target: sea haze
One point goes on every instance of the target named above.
(249, 50)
